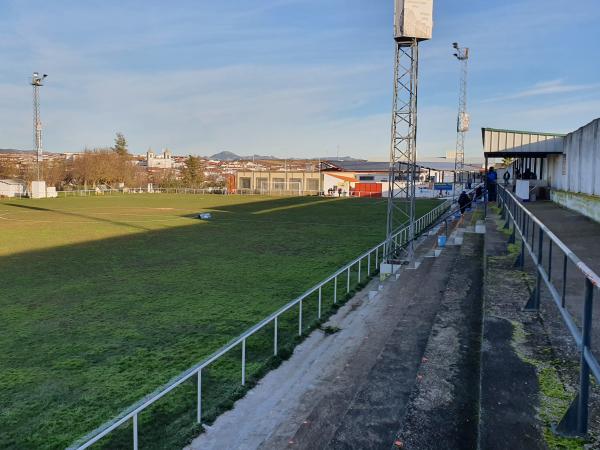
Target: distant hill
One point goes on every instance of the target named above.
(230, 156)
(225, 156)
(12, 150)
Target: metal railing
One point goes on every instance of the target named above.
(372, 258)
(534, 234)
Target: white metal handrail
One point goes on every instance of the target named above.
(401, 238)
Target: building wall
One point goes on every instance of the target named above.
(577, 170)
(277, 182)
(588, 205)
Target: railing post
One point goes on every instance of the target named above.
(199, 394)
(275, 338)
(348, 281)
(550, 261)
(243, 362)
(564, 286)
(335, 289)
(135, 432)
(300, 318)
(534, 301)
(376, 257)
(319, 314)
(584, 383)
(369, 265)
(359, 263)
(511, 239)
(575, 420)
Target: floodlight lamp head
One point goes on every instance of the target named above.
(455, 45)
(45, 75)
(456, 54)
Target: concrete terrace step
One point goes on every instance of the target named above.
(443, 407)
(366, 413)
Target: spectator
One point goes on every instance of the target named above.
(492, 178)
(506, 177)
(463, 202)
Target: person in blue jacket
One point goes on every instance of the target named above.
(491, 180)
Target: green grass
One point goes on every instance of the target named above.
(104, 299)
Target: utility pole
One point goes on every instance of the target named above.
(408, 32)
(37, 82)
(462, 121)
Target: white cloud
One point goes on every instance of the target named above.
(552, 87)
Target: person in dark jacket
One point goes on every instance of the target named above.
(463, 202)
(491, 179)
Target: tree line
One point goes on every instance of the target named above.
(112, 166)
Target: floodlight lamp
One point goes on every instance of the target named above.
(35, 74)
(45, 75)
(455, 45)
(456, 55)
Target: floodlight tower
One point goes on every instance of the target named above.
(462, 121)
(37, 82)
(413, 22)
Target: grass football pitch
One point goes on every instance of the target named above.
(104, 299)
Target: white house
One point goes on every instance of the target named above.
(12, 188)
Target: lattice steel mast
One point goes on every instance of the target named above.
(37, 82)
(462, 121)
(403, 151)
(413, 22)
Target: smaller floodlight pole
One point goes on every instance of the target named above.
(36, 82)
(462, 121)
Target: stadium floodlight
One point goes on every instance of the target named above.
(36, 82)
(462, 123)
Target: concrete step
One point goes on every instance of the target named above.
(443, 408)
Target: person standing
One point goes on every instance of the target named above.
(491, 180)
(463, 202)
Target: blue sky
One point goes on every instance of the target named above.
(287, 77)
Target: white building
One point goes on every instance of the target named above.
(562, 167)
(12, 188)
(164, 161)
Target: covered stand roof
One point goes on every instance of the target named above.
(355, 166)
(499, 143)
(383, 167)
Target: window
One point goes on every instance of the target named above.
(564, 164)
(312, 184)
(366, 178)
(262, 183)
(244, 183)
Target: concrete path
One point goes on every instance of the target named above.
(349, 389)
(579, 233)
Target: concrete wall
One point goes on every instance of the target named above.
(587, 205)
(578, 169)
